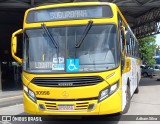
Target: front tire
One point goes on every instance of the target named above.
(128, 101)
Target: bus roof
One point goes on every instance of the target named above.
(71, 4)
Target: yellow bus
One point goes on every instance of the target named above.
(78, 59)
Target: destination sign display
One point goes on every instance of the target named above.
(69, 13)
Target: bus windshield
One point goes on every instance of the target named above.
(98, 51)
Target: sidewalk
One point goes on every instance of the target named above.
(8, 98)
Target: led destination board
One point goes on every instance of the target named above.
(69, 13)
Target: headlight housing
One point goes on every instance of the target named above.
(108, 91)
(30, 93)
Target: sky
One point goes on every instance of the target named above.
(158, 39)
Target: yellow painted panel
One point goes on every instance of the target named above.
(127, 67)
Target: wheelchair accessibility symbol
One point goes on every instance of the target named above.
(72, 65)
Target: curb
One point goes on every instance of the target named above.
(9, 101)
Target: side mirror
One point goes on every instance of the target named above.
(14, 45)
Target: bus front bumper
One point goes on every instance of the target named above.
(110, 105)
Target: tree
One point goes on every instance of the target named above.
(147, 49)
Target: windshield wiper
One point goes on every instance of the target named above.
(49, 35)
(44, 27)
(88, 27)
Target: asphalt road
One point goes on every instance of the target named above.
(147, 102)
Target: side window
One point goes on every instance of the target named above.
(127, 50)
(131, 53)
(136, 49)
(120, 23)
(127, 42)
(130, 40)
(138, 55)
(122, 40)
(133, 47)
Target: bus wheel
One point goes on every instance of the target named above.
(145, 74)
(128, 101)
(137, 89)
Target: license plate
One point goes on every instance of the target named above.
(65, 107)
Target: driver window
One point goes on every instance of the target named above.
(120, 23)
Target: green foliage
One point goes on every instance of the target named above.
(147, 48)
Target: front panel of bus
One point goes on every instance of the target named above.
(71, 63)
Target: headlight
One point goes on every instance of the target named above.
(108, 91)
(29, 93)
(113, 88)
(103, 94)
